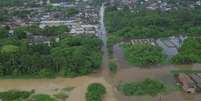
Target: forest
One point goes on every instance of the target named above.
(145, 23)
(71, 56)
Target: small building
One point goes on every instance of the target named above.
(38, 39)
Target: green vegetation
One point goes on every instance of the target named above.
(71, 56)
(9, 49)
(5, 3)
(14, 95)
(3, 33)
(123, 24)
(41, 97)
(186, 71)
(55, 30)
(146, 87)
(7, 14)
(189, 52)
(143, 54)
(113, 66)
(71, 11)
(95, 92)
(21, 32)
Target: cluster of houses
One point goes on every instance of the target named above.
(163, 5)
(85, 22)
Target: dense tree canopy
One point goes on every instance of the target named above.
(145, 23)
(3, 33)
(72, 56)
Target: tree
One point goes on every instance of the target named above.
(71, 11)
(3, 33)
(45, 73)
(55, 30)
(143, 54)
(189, 52)
(20, 32)
(1, 70)
(10, 49)
(95, 92)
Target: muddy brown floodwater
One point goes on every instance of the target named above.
(161, 72)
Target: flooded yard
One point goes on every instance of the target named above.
(170, 45)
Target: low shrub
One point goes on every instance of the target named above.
(14, 95)
(41, 97)
(95, 92)
(113, 66)
(45, 73)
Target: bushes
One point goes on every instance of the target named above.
(14, 95)
(95, 92)
(113, 66)
(41, 97)
(45, 73)
(189, 52)
(146, 87)
(143, 54)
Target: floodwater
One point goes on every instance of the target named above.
(128, 73)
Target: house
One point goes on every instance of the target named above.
(38, 39)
